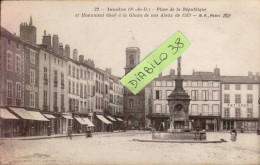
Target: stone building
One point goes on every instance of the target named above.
(240, 108)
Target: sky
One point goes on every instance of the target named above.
(232, 44)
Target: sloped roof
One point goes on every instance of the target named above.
(239, 79)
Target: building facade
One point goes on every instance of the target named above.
(240, 107)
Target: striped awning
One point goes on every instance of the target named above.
(49, 116)
(119, 119)
(22, 113)
(80, 120)
(89, 123)
(111, 118)
(103, 119)
(67, 117)
(5, 114)
(38, 116)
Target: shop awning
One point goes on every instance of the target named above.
(38, 116)
(103, 119)
(49, 116)
(119, 119)
(80, 120)
(67, 117)
(22, 113)
(89, 123)
(5, 114)
(111, 118)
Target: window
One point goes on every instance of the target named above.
(168, 92)
(194, 109)
(55, 78)
(249, 112)
(215, 84)
(69, 69)
(62, 80)
(77, 88)
(215, 110)
(238, 112)
(18, 90)
(158, 94)
(45, 56)
(249, 98)
(169, 83)
(158, 108)
(226, 86)
(9, 42)
(73, 71)
(131, 103)
(185, 83)
(194, 83)
(131, 60)
(215, 95)
(189, 83)
(69, 86)
(17, 46)
(9, 89)
(62, 100)
(237, 98)
(45, 73)
(32, 99)
(77, 73)
(205, 83)
(32, 56)
(9, 61)
(238, 86)
(158, 83)
(249, 87)
(205, 95)
(32, 76)
(81, 73)
(226, 98)
(55, 99)
(226, 112)
(18, 63)
(45, 102)
(194, 94)
(205, 110)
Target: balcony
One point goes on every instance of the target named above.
(18, 102)
(9, 101)
(45, 108)
(56, 109)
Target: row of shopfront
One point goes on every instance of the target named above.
(17, 121)
(208, 123)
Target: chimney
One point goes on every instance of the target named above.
(55, 44)
(160, 75)
(61, 50)
(75, 54)
(193, 72)
(172, 72)
(81, 58)
(217, 71)
(250, 74)
(46, 40)
(67, 50)
(109, 70)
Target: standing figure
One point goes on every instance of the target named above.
(233, 134)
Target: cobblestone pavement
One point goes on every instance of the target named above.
(120, 149)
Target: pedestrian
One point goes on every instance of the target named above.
(233, 133)
(70, 132)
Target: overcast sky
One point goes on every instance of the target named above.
(231, 44)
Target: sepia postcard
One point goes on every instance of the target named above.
(130, 82)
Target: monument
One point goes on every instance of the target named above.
(178, 102)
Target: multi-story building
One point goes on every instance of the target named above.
(53, 84)
(11, 81)
(204, 91)
(240, 95)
